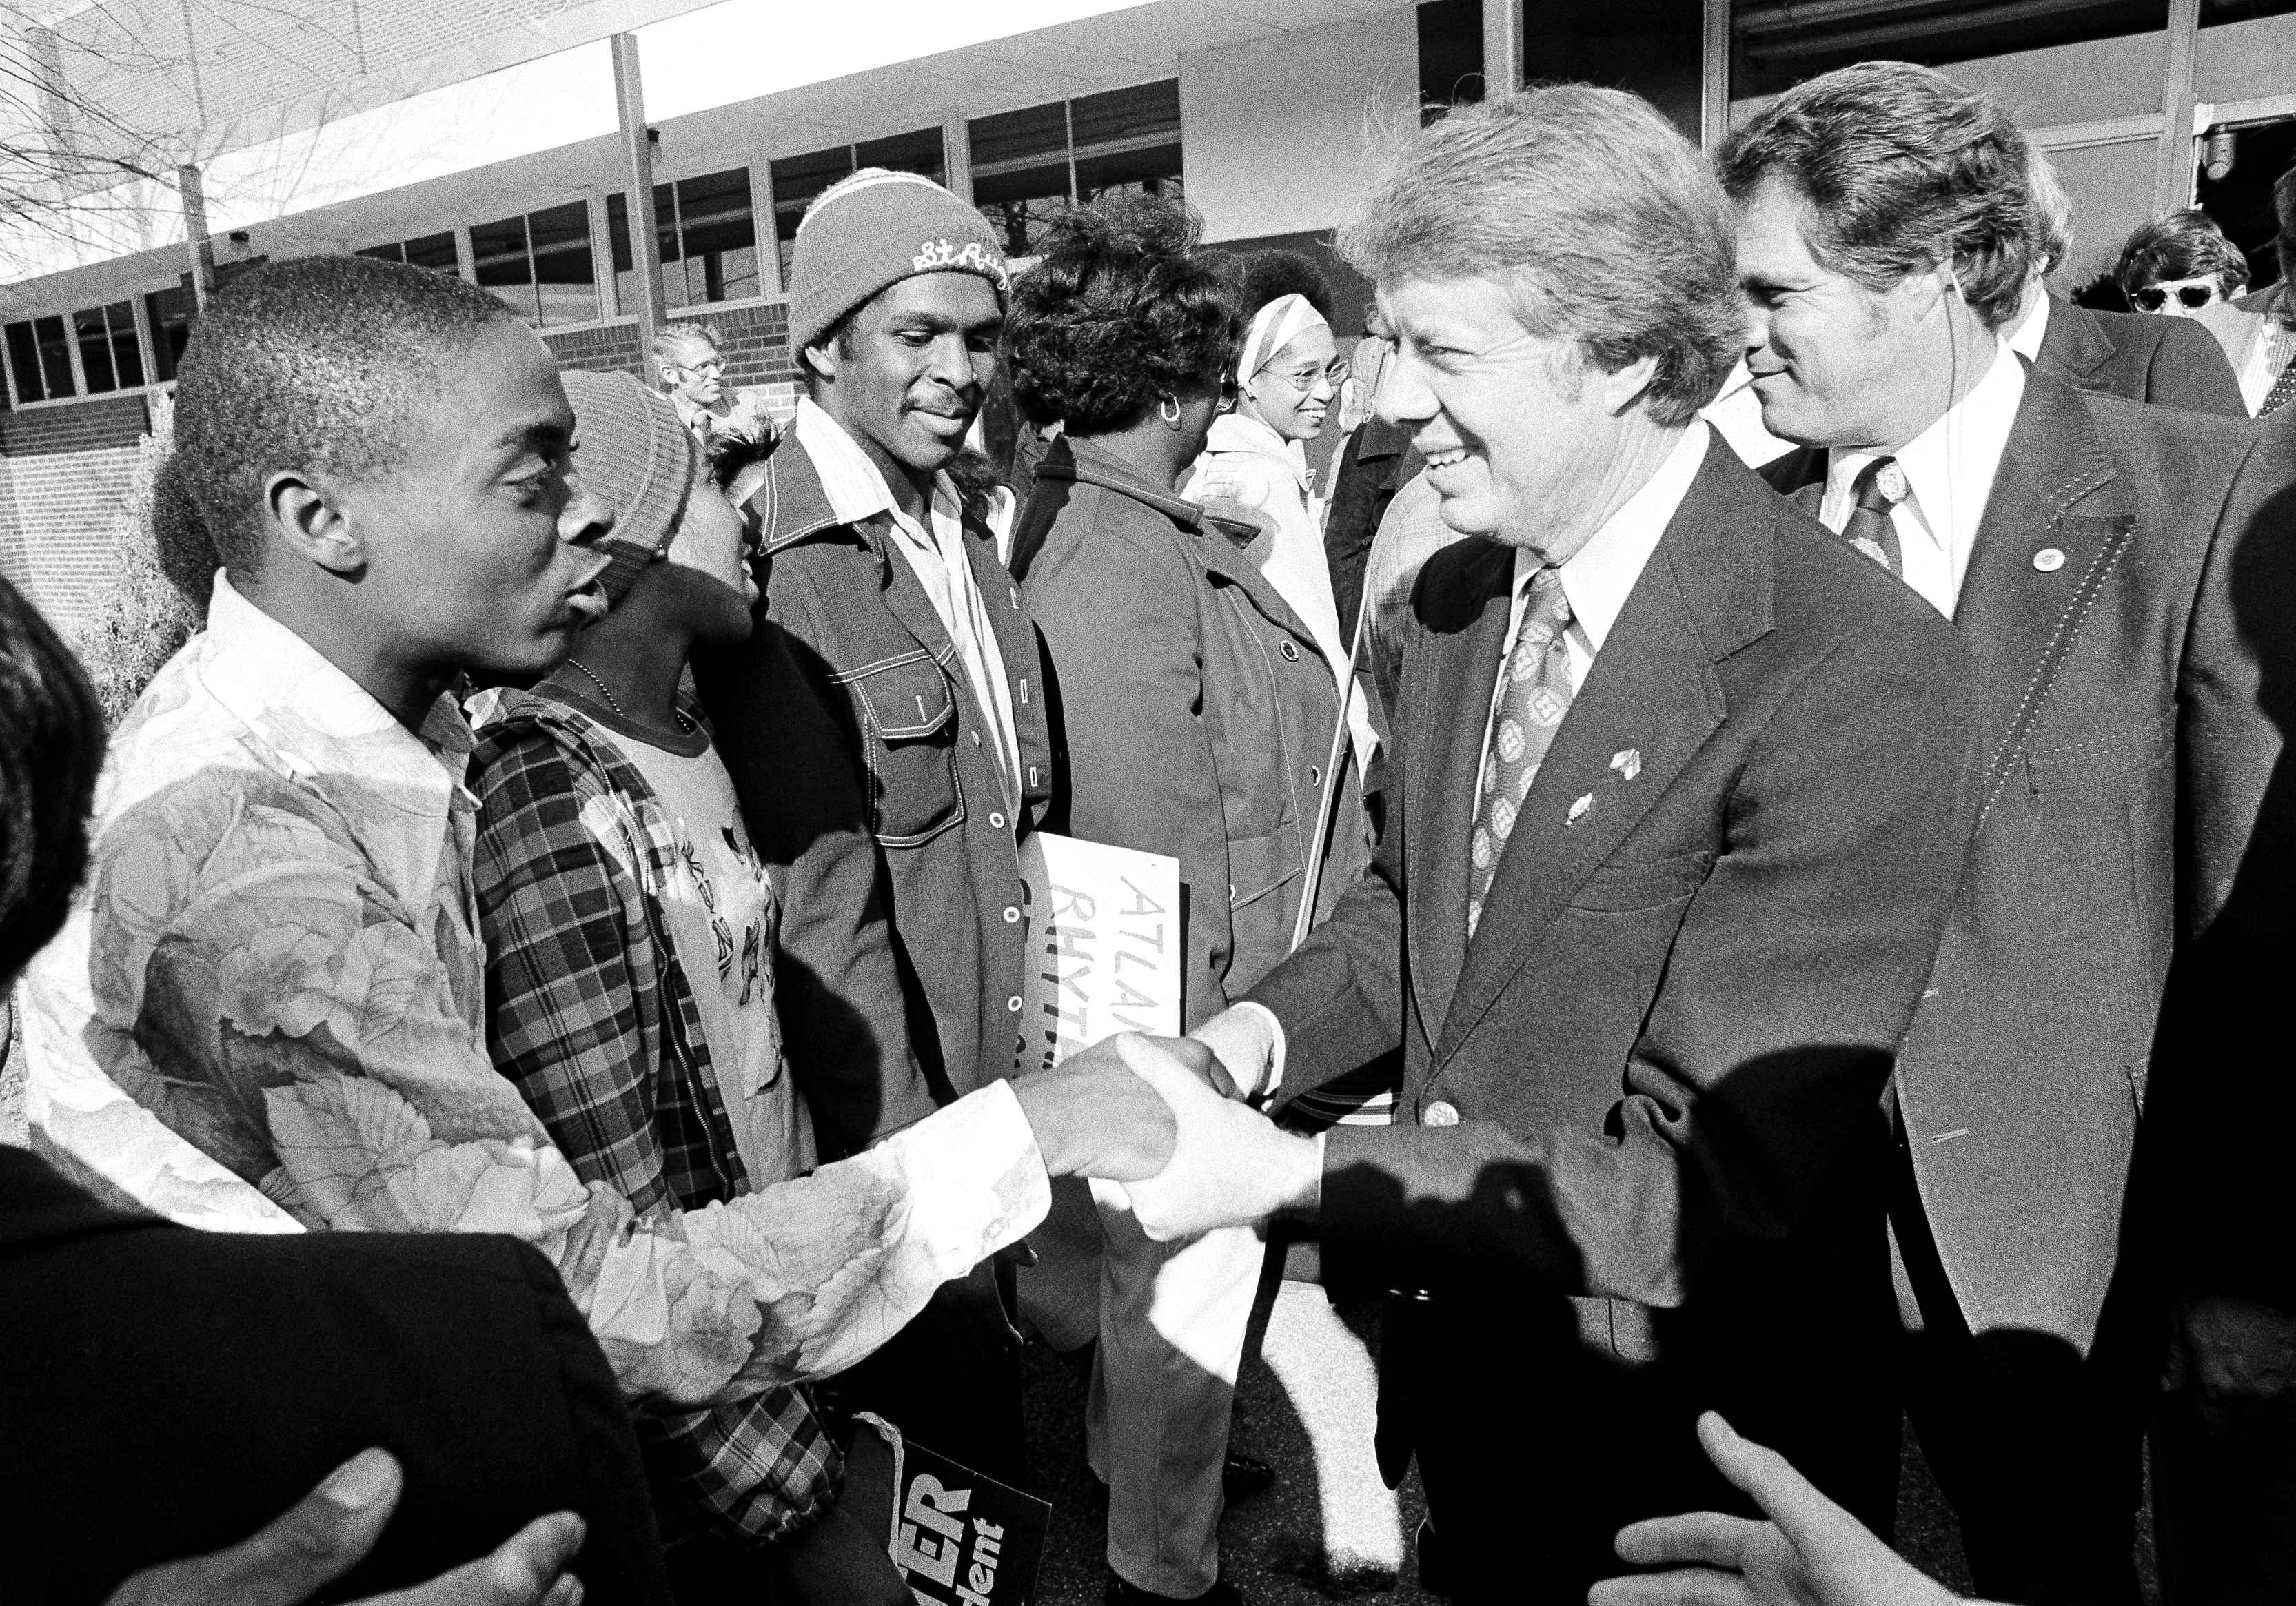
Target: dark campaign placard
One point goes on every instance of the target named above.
(959, 1538)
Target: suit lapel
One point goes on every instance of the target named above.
(2073, 343)
(2020, 617)
(1652, 691)
(1451, 700)
(1648, 704)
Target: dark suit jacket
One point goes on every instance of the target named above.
(2142, 357)
(2121, 731)
(1649, 1085)
(878, 726)
(167, 1392)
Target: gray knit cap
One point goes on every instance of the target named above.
(877, 228)
(636, 458)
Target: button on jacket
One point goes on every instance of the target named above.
(1196, 709)
(853, 740)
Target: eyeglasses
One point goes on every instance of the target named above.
(714, 368)
(2189, 293)
(1308, 379)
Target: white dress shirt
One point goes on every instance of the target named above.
(1949, 469)
(2031, 329)
(858, 493)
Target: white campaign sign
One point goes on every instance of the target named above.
(1105, 938)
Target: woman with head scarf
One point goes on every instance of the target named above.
(1255, 464)
(1197, 708)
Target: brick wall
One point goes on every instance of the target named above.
(63, 479)
(754, 341)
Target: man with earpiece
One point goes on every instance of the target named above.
(2092, 553)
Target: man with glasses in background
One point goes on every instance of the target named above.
(694, 372)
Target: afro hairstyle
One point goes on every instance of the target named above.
(51, 751)
(1121, 309)
(1274, 273)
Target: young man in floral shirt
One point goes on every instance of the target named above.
(266, 1012)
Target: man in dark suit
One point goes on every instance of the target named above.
(2127, 354)
(2078, 543)
(1680, 812)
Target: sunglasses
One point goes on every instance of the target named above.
(2153, 298)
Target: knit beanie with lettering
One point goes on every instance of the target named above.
(638, 459)
(877, 228)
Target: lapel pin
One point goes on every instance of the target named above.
(1627, 761)
(2048, 560)
(1578, 809)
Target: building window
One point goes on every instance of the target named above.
(798, 180)
(1031, 165)
(709, 234)
(540, 265)
(169, 313)
(1776, 44)
(39, 359)
(111, 358)
(433, 251)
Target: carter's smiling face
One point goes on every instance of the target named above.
(1514, 427)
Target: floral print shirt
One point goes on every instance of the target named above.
(268, 1014)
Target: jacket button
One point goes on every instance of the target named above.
(1290, 652)
(1013, 1004)
(1439, 1114)
(976, 738)
(1315, 774)
(1011, 916)
(996, 821)
(2048, 560)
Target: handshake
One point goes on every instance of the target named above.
(1163, 1117)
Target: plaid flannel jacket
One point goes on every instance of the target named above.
(591, 1015)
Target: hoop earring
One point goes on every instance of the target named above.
(1172, 416)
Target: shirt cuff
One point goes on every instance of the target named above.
(1244, 1033)
(981, 1143)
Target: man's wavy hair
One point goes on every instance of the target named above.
(1899, 169)
(1121, 309)
(1604, 224)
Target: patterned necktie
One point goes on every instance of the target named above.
(1880, 486)
(2283, 391)
(1531, 702)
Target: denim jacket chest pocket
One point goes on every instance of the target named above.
(907, 710)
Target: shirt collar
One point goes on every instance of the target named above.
(323, 730)
(856, 491)
(1235, 432)
(2031, 329)
(1600, 576)
(1949, 466)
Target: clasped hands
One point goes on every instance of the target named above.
(1163, 1117)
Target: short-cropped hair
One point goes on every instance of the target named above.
(2182, 245)
(1121, 309)
(50, 752)
(1603, 224)
(669, 337)
(323, 362)
(1899, 169)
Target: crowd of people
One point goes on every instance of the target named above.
(1692, 941)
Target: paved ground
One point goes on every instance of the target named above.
(1319, 1535)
